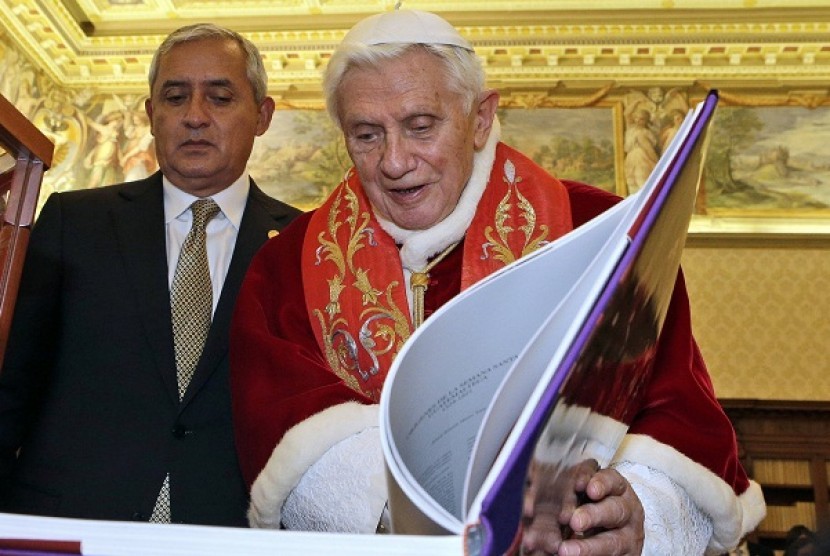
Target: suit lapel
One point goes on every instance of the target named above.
(139, 228)
(260, 217)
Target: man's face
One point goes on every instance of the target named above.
(409, 136)
(204, 116)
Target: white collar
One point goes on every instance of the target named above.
(231, 200)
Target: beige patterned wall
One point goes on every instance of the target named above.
(762, 319)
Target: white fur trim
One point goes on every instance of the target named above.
(673, 523)
(344, 491)
(733, 516)
(299, 449)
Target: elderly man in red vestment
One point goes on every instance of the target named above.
(401, 235)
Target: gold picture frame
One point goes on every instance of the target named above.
(767, 171)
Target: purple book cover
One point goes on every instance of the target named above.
(591, 397)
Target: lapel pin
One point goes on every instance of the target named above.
(272, 233)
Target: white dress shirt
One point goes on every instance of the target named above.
(221, 230)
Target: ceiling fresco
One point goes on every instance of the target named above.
(107, 44)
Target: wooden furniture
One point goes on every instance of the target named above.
(785, 446)
(29, 154)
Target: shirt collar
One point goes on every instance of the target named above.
(231, 200)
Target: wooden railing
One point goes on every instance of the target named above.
(29, 154)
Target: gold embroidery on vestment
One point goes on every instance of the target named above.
(383, 327)
(498, 237)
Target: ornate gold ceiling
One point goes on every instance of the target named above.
(561, 44)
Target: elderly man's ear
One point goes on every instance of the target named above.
(488, 102)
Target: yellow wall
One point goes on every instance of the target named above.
(762, 319)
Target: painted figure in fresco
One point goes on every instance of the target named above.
(640, 144)
(138, 157)
(668, 132)
(102, 158)
(651, 120)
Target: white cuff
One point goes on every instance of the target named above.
(673, 523)
(300, 448)
(733, 516)
(344, 492)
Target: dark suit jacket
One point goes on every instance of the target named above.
(88, 389)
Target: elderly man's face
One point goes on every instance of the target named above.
(410, 138)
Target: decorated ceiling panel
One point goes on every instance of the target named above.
(107, 44)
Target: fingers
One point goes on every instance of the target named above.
(613, 526)
(604, 483)
(614, 504)
(544, 533)
(607, 543)
(583, 473)
(585, 511)
(611, 523)
(610, 513)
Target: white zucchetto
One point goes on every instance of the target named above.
(405, 27)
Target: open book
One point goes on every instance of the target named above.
(536, 368)
(512, 383)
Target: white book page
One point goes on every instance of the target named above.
(443, 379)
(540, 357)
(114, 538)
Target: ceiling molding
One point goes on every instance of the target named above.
(108, 44)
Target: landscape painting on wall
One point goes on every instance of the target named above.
(764, 164)
(571, 143)
(769, 159)
(302, 156)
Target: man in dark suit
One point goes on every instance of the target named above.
(96, 421)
